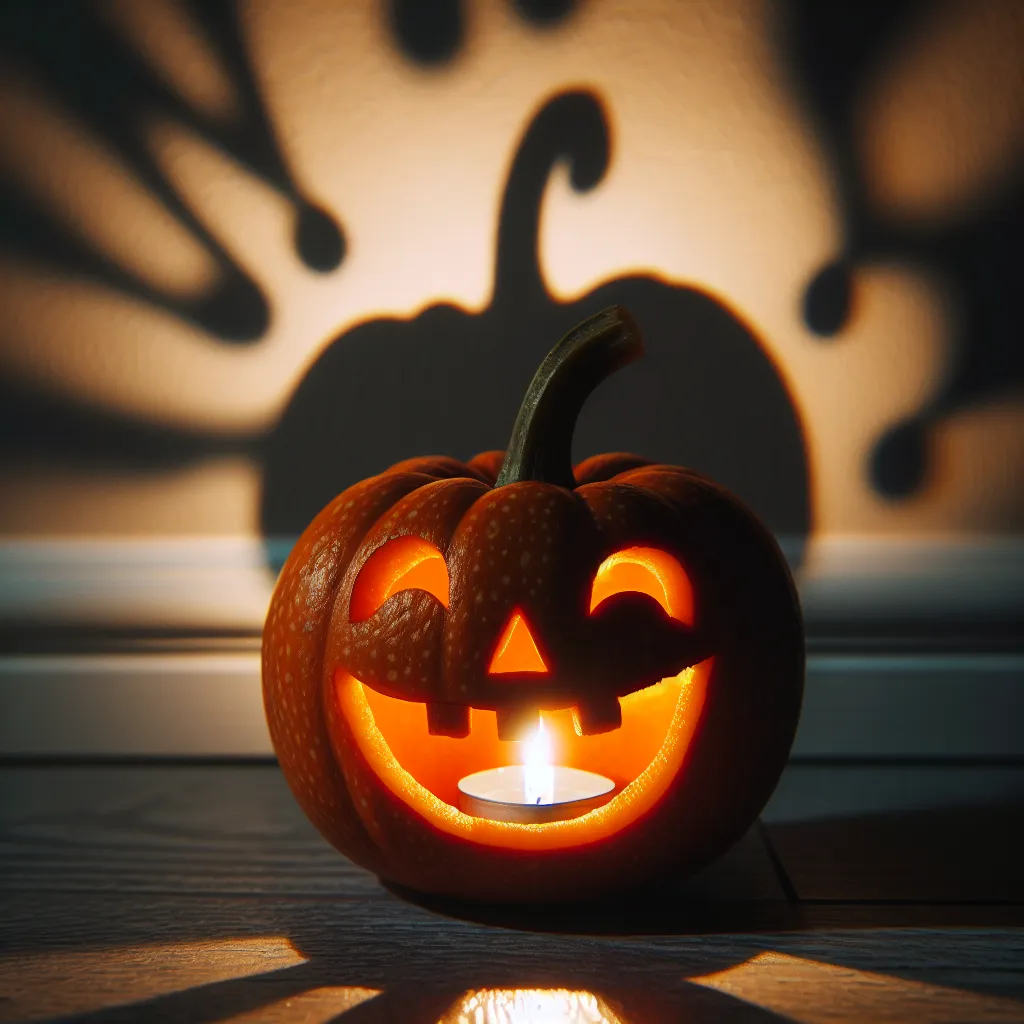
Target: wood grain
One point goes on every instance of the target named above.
(195, 893)
(201, 829)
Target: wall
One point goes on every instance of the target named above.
(252, 254)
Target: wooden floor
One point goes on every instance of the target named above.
(199, 893)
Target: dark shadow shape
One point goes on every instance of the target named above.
(432, 32)
(899, 461)
(319, 240)
(99, 80)
(427, 31)
(436, 1000)
(429, 981)
(832, 51)
(234, 311)
(38, 428)
(828, 300)
(450, 382)
(656, 911)
(545, 13)
(949, 855)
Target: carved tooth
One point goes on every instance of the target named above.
(599, 714)
(447, 719)
(517, 723)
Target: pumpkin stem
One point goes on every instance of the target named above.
(541, 444)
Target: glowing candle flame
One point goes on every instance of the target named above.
(538, 772)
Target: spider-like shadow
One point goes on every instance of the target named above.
(98, 78)
(832, 52)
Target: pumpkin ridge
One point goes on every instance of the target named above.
(602, 468)
(325, 529)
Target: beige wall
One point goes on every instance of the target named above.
(716, 180)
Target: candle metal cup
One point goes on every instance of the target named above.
(500, 795)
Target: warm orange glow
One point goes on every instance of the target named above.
(47, 984)
(642, 756)
(406, 563)
(645, 571)
(796, 988)
(517, 650)
(438, 762)
(530, 1006)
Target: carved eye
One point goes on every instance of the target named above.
(406, 563)
(645, 571)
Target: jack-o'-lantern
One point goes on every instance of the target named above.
(434, 622)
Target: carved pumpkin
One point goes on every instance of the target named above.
(428, 615)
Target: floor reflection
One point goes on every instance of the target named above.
(770, 986)
(531, 1006)
(202, 895)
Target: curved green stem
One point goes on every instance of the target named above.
(541, 444)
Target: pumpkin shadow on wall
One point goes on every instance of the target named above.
(449, 382)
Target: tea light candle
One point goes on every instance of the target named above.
(534, 792)
(506, 794)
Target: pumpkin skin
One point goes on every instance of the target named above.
(531, 547)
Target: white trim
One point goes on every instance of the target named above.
(164, 705)
(200, 583)
(210, 705)
(223, 583)
(851, 578)
(913, 705)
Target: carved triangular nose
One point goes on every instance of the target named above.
(516, 650)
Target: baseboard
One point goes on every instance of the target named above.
(132, 705)
(210, 705)
(197, 585)
(849, 586)
(149, 647)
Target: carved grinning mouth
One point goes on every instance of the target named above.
(421, 751)
(642, 757)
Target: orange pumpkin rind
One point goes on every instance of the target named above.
(430, 616)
